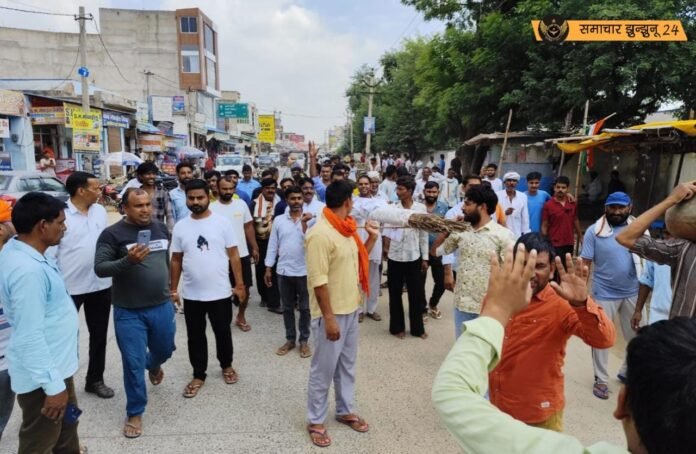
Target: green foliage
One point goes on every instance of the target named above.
(463, 81)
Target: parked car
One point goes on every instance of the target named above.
(167, 181)
(14, 184)
(264, 161)
(233, 162)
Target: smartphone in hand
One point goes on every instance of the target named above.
(72, 413)
(144, 237)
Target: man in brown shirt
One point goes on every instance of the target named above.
(679, 253)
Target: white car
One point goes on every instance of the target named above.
(233, 162)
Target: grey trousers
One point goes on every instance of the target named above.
(375, 278)
(623, 310)
(332, 361)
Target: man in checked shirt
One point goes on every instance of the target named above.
(146, 173)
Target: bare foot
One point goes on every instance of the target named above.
(424, 336)
(133, 428)
(400, 335)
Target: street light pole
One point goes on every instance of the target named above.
(370, 98)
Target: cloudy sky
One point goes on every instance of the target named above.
(293, 56)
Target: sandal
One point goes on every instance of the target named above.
(137, 431)
(601, 391)
(375, 316)
(157, 377)
(355, 422)
(230, 376)
(435, 313)
(361, 317)
(243, 326)
(192, 389)
(319, 436)
(305, 352)
(286, 347)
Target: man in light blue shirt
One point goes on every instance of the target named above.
(286, 243)
(614, 279)
(657, 279)
(247, 184)
(184, 172)
(42, 353)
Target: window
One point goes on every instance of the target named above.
(210, 71)
(209, 39)
(189, 25)
(52, 185)
(191, 61)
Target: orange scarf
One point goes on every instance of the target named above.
(347, 227)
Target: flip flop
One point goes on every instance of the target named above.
(305, 352)
(601, 391)
(230, 376)
(157, 377)
(192, 389)
(322, 435)
(139, 430)
(355, 422)
(243, 326)
(285, 348)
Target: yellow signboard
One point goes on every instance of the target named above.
(86, 126)
(556, 29)
(267, 129)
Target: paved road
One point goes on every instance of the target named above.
(265, 411)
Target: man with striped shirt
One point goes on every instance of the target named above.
(679, 253)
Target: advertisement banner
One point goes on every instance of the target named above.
(90, 163)
(178, 105)
(161, 108)
(11, 103)
(232, 110)
(116, 120)
(267, 129)
(54, 115)
(64, 168)
(4, 128)
(369, 125)
(86, 127)
(151, 143)
(142, 114)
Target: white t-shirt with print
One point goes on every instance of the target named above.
(238, 213)
(204, 243)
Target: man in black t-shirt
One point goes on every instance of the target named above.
(143, 310)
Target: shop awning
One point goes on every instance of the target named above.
(217, 134)
(148, 128)
(661, 129)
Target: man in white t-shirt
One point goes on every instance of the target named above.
(237, 212)
(204, 246)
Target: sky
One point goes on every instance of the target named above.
(294, 56)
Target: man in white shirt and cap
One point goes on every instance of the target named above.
(514, 203)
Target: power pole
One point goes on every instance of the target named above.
(371, 85)
(83, 58)
(148, 73)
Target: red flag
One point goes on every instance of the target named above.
(593, 130)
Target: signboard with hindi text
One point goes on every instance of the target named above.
(54, 115)
(86, 127)
(266, 129)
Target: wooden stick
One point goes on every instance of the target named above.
(577, 174)
(505, 140)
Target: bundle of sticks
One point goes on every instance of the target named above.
(400, 218)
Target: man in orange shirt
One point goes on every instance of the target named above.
(528, 383)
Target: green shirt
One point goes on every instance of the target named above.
(474, 422)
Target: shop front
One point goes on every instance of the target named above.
(14, 144)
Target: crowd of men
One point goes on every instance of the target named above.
(309, 245)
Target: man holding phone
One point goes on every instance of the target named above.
(144, 320)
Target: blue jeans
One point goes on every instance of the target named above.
(461, 317)
(7, 399)
(146, 339)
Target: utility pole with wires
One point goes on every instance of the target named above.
(148, 73)
(83, 58)
(371, 84)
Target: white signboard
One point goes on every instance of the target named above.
(161, 108)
